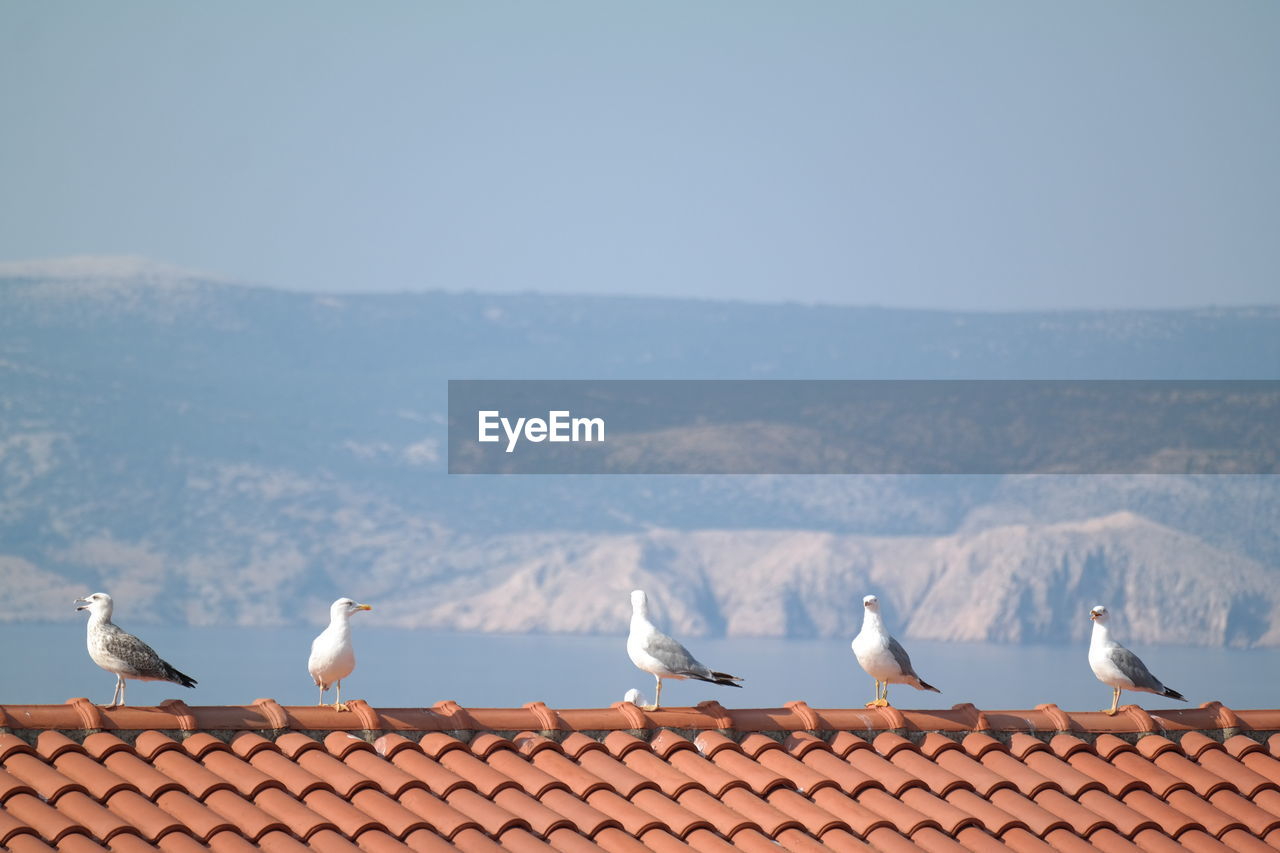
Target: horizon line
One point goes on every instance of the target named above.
(131, 268)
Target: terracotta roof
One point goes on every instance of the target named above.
(74, 777)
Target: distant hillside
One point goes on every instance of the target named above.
(243, 455)
(1004, 584)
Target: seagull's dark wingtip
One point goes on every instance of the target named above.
(726, 679)
(181, 678)
(722, 678)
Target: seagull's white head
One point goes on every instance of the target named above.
(1099, 614)
(98, 604)
(639, 601)
(871, 603)
(634, 696)
(345, 607)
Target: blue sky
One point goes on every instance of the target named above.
(980, 155)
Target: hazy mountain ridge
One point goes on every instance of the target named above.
(1005, 584)
(241, 455)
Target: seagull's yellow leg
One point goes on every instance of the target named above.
(320, 701)
(657, 695)
(881, 699)
(337, 705)
(1115, 702)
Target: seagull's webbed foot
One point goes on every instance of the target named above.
(340, 706)
(879, 703)
(1110, 712)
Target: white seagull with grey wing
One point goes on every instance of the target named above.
(1119, 668)
(882, 656)
(661, 656)
(333, 657)
(122, 653)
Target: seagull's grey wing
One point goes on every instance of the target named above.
(141, 659)
(901, 658)
(674, 656)
(1134, 669)
(677, 659)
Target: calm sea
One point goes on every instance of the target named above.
(45, 663)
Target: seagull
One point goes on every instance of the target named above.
(634, 696)
(661, 656)
(1116, 666)
(882, 656)
(332, 656)
(122, 653)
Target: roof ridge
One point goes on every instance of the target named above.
(1212, 719)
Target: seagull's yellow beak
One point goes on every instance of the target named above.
(365, 607)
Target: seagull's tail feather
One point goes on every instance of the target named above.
(1173, 694)
(176, 677)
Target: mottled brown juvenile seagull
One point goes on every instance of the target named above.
(122, 653)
